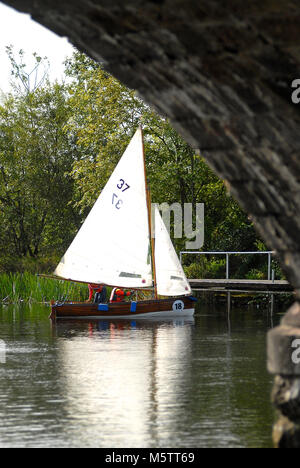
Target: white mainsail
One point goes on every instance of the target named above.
(170, 277)
(113, 246)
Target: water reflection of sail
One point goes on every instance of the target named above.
(120, 386)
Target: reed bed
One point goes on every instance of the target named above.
(26, 287)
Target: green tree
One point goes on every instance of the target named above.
(59, 143)
(36, 158)
(105, 116)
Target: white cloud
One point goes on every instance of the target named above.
(22, 32)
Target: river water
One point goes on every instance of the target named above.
(153, 384)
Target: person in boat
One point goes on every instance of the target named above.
(119, 295)
(100, 293)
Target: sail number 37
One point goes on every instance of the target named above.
(116, 200)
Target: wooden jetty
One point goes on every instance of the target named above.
(238, 285)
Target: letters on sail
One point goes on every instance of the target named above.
(113, 246)
(170, 277)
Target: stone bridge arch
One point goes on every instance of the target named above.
(221, 71)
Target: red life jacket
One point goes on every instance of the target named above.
(94, 288)
(118, 295)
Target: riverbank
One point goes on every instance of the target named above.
(256, 300)
(27, 287)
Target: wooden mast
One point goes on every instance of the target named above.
(148, 198)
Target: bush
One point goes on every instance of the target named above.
(206, 269)
(255, 274)
(31, 265)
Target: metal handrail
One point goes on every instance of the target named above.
(227, 254)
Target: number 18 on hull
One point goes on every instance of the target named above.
(170, 307)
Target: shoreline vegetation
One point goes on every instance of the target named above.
(27, 287)
(17, 288)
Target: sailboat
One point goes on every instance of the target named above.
(115, 247)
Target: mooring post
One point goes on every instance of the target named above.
(229, 302)
(283, 344)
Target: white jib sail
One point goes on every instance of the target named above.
(112, 247)
(170, 277)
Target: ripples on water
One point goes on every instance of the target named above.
(193, 383)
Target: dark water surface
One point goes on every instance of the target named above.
(194, 383)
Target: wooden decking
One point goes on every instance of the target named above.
(244, 285)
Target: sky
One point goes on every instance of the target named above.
(22, 32)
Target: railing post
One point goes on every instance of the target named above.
(269, 266)
(234, 253)
(227, 266)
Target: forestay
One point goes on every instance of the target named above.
(170, 277)
(112, 247)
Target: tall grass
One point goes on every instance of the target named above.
(18, 287)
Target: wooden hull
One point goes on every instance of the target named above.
(171, 307)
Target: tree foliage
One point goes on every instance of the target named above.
(105, 116)
(59, 143)
(36, 157)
